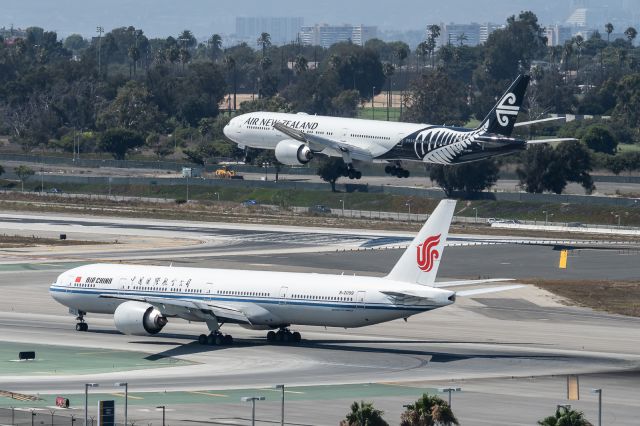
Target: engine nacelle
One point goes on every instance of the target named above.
(293, 153)
(138, 319)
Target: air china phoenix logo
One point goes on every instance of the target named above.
(427, 254)
(506, 107)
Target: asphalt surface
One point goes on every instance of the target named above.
(510, 352)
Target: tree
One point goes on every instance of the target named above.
(631, 34)
(24, 173)
(364, 414)
(160, 146)
(215, 44)
(301, 64)
(628, 103)
(264, 41)
(1, 170)
(565, 416)
(544, 168)
(437, 98)
(75, 43)
(332, 169)
(609, 29)
(345, 104)
(470, 177)
(600, 139)
(429, 410)
(133, 108)
(118, 142)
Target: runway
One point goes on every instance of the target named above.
(508, 351)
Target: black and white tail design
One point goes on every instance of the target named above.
(505, 113)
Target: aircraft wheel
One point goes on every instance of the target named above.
(79, 327)
(202, 339)
(271, 336)
(228, 339)
(279, 336)
(388, 170)
(296, 337)
(405, 173)
(211, 340)
(219, 339)
(351, 174)
(358, 174)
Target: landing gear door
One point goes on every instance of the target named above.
(283, 295)
(360, 299)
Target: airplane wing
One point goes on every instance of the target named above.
(486, 290)
(543, 120)
(445, 284)
(220, 311)
(549, 141)
(318, 143)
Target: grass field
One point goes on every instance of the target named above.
(379, 113)
(620, 297)
(624, 147)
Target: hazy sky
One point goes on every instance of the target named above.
(204, 17)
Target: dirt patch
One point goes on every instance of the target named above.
(16, 241)
(619, 297)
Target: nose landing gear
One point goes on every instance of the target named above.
(81, 325)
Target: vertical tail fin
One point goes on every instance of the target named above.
(419, 263)
(505, 113)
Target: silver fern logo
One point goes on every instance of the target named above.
(506, 107)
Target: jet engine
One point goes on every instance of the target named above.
(138, 319)
(293, 153)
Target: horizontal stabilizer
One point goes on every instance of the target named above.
(445, 284)
(543, 120)
(486, 290)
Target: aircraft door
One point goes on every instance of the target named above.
(122, 286)
(360, 299)
(283, 295)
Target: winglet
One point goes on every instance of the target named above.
(419, 263)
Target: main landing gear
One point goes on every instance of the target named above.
(352, 173)
(215, 339)
(396, 170)
(284, 335)
(81, 325)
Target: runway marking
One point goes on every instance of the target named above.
(260, 264)
(122, 395)
(278, 390)
(210, 394)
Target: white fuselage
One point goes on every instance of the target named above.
(268, 299)
(378, 137)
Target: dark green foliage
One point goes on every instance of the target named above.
(469, 177)
(364, 414)
(600, 139)
(332, 169)
(565, 416)
(429, 410)
(118, 142)
(544, 168)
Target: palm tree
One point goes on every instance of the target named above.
(264, 41)
(631, 34)
(461, 38)
(566, 53)
(230, 64)
(429, 410)
(134, 55)
(565, 416)
(609, 29)
(215, 43)
(388, 69)
(579, 41)
(364, 414)
(422, 50)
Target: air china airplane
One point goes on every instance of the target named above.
(143, 298)
(297, 138)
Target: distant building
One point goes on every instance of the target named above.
(281, 29)
(557, 35)
(487, 29)
(471, 34)
(326, 35)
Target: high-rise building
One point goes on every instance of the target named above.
(487, 29)
(557, 35)
(461, 34)
(325, 35)
(281, 29)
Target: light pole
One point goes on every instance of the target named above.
(342, 201)
(546, 217)
(408, 204)
(266, 170)
(99, 30)
(373, 109)
(217, 195)
(126, 399)
(449, 391)
(253, 400)
(86, 400)
(282, 407)
(475, 209)
(41, 180)
(599, 392)
(163, 411)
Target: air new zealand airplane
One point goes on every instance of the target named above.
(298, 138)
